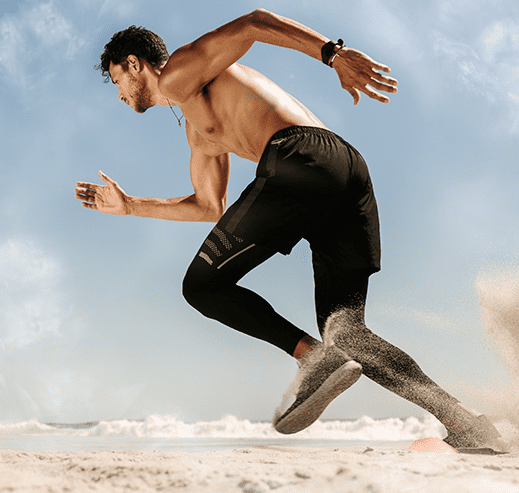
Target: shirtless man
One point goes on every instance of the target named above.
(309, 184)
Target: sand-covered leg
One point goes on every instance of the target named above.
(324, 374)
(481, 438)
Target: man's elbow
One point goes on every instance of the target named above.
(259, 16)
(212, 214)
(211, 217)
(216, 214)
(258, 13)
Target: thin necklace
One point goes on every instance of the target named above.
(178, 119)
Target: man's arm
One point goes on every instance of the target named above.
(209, 176)
(193, 66)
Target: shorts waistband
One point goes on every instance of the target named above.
(298, 130)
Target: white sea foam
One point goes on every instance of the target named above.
(156, 426)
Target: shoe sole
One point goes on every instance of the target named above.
(309, 411)
(480, 450)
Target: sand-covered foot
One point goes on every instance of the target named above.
(323, 377)
(483, 438)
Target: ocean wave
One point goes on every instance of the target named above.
(158, 426)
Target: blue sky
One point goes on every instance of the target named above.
(92, 321)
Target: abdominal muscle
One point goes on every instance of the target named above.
(239, 111)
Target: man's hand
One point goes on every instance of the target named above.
(357, 71)
(108, 199)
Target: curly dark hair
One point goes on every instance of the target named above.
(137, 41)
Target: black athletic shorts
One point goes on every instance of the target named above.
(310, 184)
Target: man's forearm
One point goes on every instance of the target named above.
(274, 29)
(178, 209)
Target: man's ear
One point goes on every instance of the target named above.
(134, 63)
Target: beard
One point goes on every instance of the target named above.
(141, 96)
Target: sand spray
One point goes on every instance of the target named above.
(499, 303)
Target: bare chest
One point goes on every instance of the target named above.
(214, 132)
(204, 126)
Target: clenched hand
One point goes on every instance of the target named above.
(358, 71)
(108, 199)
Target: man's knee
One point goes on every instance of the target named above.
(189, 290)
(200, 288)
(193, 285)
(204, 298)
(344, 324)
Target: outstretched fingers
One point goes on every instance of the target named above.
(375, 95)
(379, 66)
(86, 192)
(388, 82)
(88, 205)
(379, 82)
(87, 186)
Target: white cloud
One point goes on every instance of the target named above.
(487, 64)
(11, 42)
(123, 9)
(22, 263)
(33, 42)
(48, 25)
(31, 301)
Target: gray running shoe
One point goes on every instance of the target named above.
(483, 436)
(323, 380)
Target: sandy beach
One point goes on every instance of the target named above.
(259, 469)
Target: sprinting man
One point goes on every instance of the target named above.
(310, 183)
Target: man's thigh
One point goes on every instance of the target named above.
(224, 258)
(338, 288)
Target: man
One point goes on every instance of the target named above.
(309, 184)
